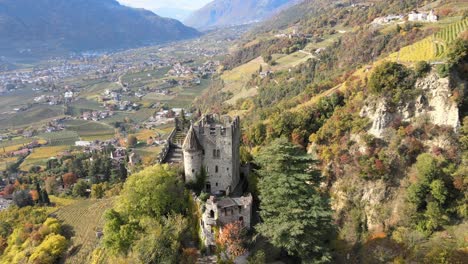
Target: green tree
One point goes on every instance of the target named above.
(392, 80)
(153, 194)
(22, 198)
(80, 189)
(294, 214)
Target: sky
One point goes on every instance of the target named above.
(157, 4)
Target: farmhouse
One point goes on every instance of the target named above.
(416, 16)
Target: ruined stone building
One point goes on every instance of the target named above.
(221, 211)
(214, 145)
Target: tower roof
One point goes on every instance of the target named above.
(191, 142)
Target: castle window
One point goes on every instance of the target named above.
(216, 153)
(193, 170)
(212, 214)
(240, 209)
(216, 184)
(216, 170)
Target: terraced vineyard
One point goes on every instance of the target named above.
(432, 48)
(83, 218)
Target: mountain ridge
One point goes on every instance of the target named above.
(220, 13)
(77, 25)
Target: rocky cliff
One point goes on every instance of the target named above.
(434, 102)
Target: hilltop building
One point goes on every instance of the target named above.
(423, 16)
(213, 144)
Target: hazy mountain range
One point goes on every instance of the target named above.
(221, 13)
(42, 25)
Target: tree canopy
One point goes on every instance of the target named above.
(294, 214)
(148, 218)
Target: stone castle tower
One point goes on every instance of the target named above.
(213, 144)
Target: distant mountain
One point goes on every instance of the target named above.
(221, 13)
(176, 13)
(31, 26)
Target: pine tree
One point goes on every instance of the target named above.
(45, 197)
(294, 214)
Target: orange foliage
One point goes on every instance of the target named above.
(34, 195)
(189, 256)
(69, 179)
(378, 235)
(231, 238)
(9, 189)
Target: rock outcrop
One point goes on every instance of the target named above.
(434, 102)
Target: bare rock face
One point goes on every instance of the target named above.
(369, 195)
(439, 106)
(435, 103)
(380, 115)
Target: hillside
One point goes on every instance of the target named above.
(30, 27)
(221, 13)
(382, 109)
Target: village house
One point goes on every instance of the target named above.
(416, 16)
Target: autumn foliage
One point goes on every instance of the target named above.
(231, 239)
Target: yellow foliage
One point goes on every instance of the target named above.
(49, 250)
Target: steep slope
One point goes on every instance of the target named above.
(81, 25)
(235, 12)
(393, 159)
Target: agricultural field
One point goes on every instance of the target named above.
(60, 138)
(8, 146)
(82, 218)
(185, 95)
(140, 79)
(93, 91)
(432, 48)
(292, 60)
(35, 115)
(90, 130)
(4, 162)
(39, 156)
(83, 105)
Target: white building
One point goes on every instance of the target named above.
(416, 16)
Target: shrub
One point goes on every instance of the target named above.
(23, 198)
(443, 70)
(80, 189)
(391, 79)
(422, 68)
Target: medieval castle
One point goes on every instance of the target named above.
(212, 144)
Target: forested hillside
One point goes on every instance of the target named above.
(386, 125)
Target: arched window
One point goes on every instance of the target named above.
(216, 169)
(212, 214)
